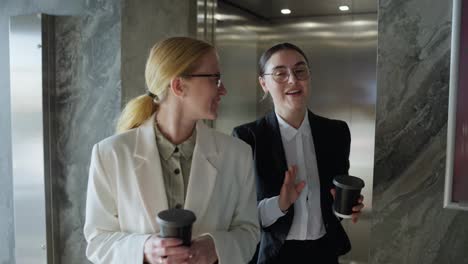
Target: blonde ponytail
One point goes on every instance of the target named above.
(168, 59)
(136, 112)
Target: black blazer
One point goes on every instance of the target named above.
(332, 141)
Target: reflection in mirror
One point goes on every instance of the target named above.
(341, 48)
(27, 139)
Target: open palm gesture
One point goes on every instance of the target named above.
(290, 191)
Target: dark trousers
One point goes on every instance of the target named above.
(307, 252)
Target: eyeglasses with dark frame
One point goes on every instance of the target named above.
(215, 75)
(281, 75)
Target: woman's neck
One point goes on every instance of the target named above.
(172, 123)
(293, 118)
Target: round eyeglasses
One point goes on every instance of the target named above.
(281, 75)
(217, 77)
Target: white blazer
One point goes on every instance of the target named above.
(126, 191)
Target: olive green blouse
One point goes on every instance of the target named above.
(176, 161)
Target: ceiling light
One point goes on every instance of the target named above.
(343, 8)
(285, 11)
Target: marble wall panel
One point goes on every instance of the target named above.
(87, 102)
(12, 8)
(143, 24)
(409, 224)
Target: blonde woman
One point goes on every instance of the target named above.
(165, 157)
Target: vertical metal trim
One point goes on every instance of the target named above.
(206, 23)
(11, 244)
(213, 9)
(452, 106)
(205, 20)
(48, 94)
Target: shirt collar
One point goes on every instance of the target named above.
(167, 148)
(187, 147)
(288, 132)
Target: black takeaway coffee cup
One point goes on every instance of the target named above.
(176, 223)
(348, 190)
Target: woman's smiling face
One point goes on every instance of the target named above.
(290, 93)
(203, 96)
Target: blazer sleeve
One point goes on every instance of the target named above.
(238, 244)
(344, 148)
(107, 243)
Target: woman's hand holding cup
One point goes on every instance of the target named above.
(348, 201)
(356, 209)
(203, 251)
(165, 250)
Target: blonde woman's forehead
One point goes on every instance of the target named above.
(208, 63)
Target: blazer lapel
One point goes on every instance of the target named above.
(203, 171)
(277, 153)
(149, 173)
(320, 149)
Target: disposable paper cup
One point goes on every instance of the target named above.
(176, 223)
(348, 190)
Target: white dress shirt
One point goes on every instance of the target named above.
(300, 151)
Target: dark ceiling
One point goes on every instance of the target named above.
(270, 9)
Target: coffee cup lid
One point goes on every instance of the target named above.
(348, 182)
(176, 217)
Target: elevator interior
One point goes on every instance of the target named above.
(342, 50)
(340, 46)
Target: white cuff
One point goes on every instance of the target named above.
(269, 211)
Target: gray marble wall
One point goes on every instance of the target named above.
(87, 102)
(143, 24)
(409, 224)
(11, 8)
